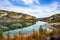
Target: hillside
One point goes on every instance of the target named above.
(53, 21)
(8, 16)
(12, 20)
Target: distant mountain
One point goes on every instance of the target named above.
(9, 16)
(52, 19)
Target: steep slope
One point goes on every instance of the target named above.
(12, 20)
(8, 16)
(53, 20)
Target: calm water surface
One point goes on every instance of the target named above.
(29, 29)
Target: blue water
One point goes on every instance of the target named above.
(29, 29)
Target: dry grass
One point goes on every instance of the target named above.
(33, 36)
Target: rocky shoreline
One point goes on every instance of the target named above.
(53, 21)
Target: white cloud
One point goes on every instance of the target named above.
(36, 10)
(30, 2)
(51, 7)
(27, 1)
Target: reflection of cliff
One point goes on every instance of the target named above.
(53, 20)
(11, 26)
(8, 16)
(13, 20)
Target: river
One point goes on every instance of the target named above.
(29, 29)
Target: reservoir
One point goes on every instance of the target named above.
(29, 29)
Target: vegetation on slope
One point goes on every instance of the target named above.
(52, 19)
(11, 26)
(12, 20)
(41, 35)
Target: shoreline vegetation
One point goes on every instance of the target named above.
(11, 26)
(10, 16)
(42, 34)
(10, 20)
(15, 18)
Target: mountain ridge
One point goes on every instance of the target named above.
(53, 21)
(13, 20)
(8, 16)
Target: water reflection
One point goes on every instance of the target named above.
(28, 29)
(12, 26)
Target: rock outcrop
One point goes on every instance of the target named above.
(8, 16)
(12, 20)
(53, 20)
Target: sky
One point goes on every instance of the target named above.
(37, 8)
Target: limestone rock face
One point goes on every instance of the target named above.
(53, 20)
(9, 16)
(13, 20)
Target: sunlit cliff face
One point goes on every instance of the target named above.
(52, 19)
(9, 16)
(3, 14)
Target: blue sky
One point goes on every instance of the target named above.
(37, 8)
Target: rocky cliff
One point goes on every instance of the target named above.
(53, 20)
(9, 16)
(12, 20)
